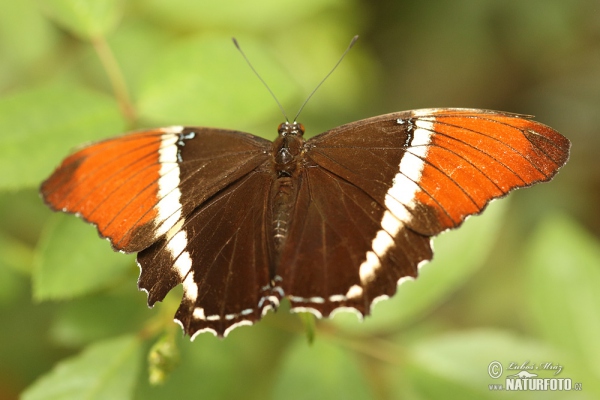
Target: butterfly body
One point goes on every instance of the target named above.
(287, 161)
(333, 222)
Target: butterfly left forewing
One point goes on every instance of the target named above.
(136, 187)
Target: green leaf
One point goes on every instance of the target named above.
(73, 261)
(84, 18)
(23, 20)
(39, 126)
(320, 371)
(15, 260)
(458, 254)
(22, 217)
(204, 80)
(16, 255)
(455, 365)
(10, 282)
(259, 14)
(90, 318)
(564, 275)
(105, 370)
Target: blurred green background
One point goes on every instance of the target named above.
(520, 283)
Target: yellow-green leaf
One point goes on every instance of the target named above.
(105, 370)
(84, 18)
(72, 260)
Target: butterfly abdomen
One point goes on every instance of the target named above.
(283, 198)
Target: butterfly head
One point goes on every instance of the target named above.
(290, 129)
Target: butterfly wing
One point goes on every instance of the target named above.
(220, 254)
(375, 191)
(192, 202)
(324, 264)
(136, 187)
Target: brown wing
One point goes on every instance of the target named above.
(220, 255)
(374, 191)
(325, 265)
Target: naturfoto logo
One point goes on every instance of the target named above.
(528, 377)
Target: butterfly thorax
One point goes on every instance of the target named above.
(287, 149)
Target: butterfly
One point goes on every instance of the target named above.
(330, 223)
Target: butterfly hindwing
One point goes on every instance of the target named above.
(219, 253)
(337, 254)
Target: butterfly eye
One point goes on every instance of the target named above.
(283, 127)
(300, 128)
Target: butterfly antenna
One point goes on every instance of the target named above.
(354, 39)
(261, 79)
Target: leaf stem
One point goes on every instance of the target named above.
(115, 75)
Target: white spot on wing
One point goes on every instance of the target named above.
(424, 112)
(399, 199)
(271, 299)
(183, 265)
(311, 310)
(337, 297)
(202, 331)
(236, 325)
(378, 299)
(266, 309)
(422, 134)
(369, 267)
(190, 288)
(178, 322)
(176, 246)
(354, 292)
(350, 310)
(199, 313)
(173, 129)
(169, 212)
(314, 299)
(169, 205)
(382, 242)
(405, 279)
(412, 163)
(390, 223)
(399, 209)
(411, 166)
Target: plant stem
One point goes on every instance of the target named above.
(117, 81)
